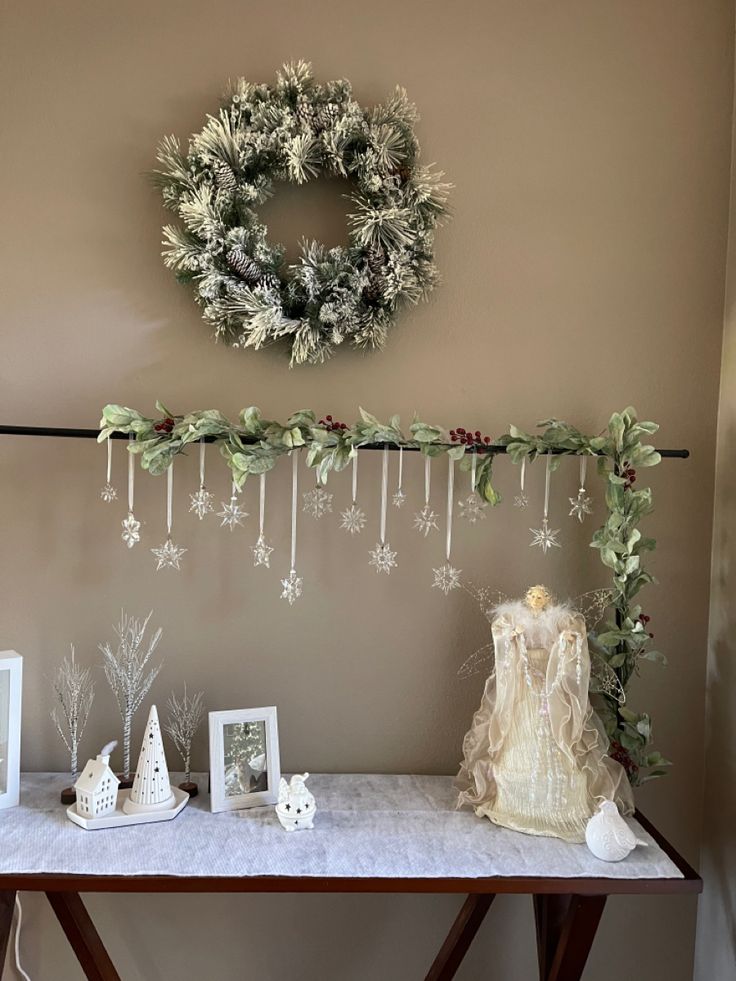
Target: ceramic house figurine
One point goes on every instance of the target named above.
(608, 836)
(151, 787)
(296, 807)
(97, 786)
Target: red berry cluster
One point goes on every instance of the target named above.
(331, 425)
(165, 426)
(644, 620)
(469, 438)
(630, 475)
(617, 752)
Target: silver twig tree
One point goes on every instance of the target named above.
(185, 717)
(74, 692)
(125, 670)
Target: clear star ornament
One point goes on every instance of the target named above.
(426, 521)
(399, 498)
(582, 504)
(353, 519)
(382, 558)
(472, 508)
(317, 502)
(521, 501)
(262, 550)
(232, 513)
(291, 587)
(446, 578)
(131, 530)
(202, 502)
(108, 493)
(544, 537)
(169, 555)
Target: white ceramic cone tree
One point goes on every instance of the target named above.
(151, 787)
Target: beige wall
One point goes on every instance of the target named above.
(589, 143)
(716, 936)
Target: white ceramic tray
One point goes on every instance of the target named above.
(119, 818)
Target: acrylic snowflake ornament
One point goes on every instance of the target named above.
(382, 558)
(399, 499)
(426, 520)
(232, 514)
(317, 502)
(202, 502)
(262, 552)
(446, 578)
(472, 508)
(131, 530)
(544, 538)
(168, 555)
(521, 501)
(108, 493)
(291, 587)
(353, 519)
(581, 505)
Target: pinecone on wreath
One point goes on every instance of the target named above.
(375, 262)
(225, 179)
(305, 113)
(327, 114)
(244, 266)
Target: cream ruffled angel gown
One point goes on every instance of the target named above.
(535, 756)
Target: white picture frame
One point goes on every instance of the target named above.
(11, 686)
(239, 781)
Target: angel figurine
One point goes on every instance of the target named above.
(535, 757)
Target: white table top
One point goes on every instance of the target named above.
(372, 826)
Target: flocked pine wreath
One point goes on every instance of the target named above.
(297, 130)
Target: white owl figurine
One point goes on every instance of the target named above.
(296, 807)
(608, 836)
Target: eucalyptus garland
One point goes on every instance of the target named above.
(297, 130)
(253, 445)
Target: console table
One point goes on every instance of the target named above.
(373, 833)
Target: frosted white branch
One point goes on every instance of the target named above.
(185, 717)
(74, 692)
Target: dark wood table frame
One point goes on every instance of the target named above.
(566, 911)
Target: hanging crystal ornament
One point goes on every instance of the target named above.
(232, 514)
(426, 519)
(399, 498)
(446, 577)
(317, 502)
(169, 555)
(544, 537)
(582, 504)
(521, 500)
(291, 587)
(471, 507)
(261, 550)
(202, 501)
(131, 526)
(382, 558)
(353, 519)
(108, 492)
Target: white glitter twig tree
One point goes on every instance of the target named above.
(184, 718)
(125, 670)
(74, 692)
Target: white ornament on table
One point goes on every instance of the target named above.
(262, 550)
(426, 519)
(152, 790)
(608, 836)
(97, 786)
(291, 586)
(545, 537)
(296, 806)
(382, 557)
(472, 508)
(317, 502)
(232, 514)
(202, 502)
(521, 501)
(108, 493)
(169, 555)
(353, 519)
(447, 577)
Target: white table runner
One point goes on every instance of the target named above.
(366, 826)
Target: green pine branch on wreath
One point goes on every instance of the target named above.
(297, 130)
(253, 445)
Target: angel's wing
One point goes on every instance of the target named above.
(592, 605)
(477, 662)
(603, 679)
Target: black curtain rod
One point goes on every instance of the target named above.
(59, 433)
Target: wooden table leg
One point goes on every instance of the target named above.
(566, 927)
(7, 905)
(82, 936)
(460, 937)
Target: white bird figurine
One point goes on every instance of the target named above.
(608, 836)
(296, 807)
